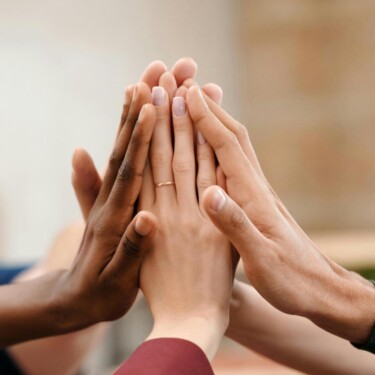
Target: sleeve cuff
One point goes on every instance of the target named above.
(166, 356)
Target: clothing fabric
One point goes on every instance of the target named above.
(7, 365)
(166, 356)
(8, 273)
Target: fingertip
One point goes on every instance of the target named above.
(145, 223)
(214, 199)
(214, 92)
(148, 112)
(79, 159)
(183, 69)
(153, 72)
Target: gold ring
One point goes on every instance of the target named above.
(167, 183)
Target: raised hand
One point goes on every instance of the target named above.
(103, 281)
(284, 265)
(187, 276)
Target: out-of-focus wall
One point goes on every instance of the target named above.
(309, 92)
(64, 66)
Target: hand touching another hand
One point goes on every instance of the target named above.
(187, 276)
(283, 264)
(103, 281)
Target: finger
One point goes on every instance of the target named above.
(128, 183)
(239, 130)
(161, 151)
(147, 195)
(152, 73)
(183, 69)
(134, 245)
(214, 92)
(206, 165)
(168, 82)
(234, 163)
(86, 181)
(181, 91)
(183, 158)
(126, 107)
(231, 220)
(141, 96)
(221, 179)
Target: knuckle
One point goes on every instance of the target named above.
(204, 183)
(228, 140)
(204, 153)
(182, 167)
(160, 159)
(180, 126)
(128, 172)
(131, 119)
(113, 159)
(130, 248)
(238, 219)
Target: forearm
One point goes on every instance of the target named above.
(291, 340)
(204, 332)
(345, 306)
(31, 310)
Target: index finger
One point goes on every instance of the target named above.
(237, 168)
(152, 73)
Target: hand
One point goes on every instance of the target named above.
(283, 264)
(85, 177)
(103, 281)
(291, 340)
(187, 276)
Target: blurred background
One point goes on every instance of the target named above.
(299, 73)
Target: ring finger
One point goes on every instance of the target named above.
(161, 151)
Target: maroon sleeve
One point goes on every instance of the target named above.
(166, 356)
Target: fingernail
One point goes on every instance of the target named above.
(143, 226)
(158, 96)
(218, 200)
(201, 140)
(178, 106)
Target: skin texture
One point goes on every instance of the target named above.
(179, 277)
(63, 354)
(66, 352)
(291, 340)
(283, 264)
(102, 283)
(206, 326)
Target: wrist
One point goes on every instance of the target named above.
(67, 307)
(204, 330)
(348, 309)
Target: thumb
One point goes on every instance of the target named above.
(134, 245)
(85, 180)
(232, 221)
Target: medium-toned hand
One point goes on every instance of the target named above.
(187, 276)
(85, 177)
(283, 264)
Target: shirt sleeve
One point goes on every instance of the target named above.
(166, 356)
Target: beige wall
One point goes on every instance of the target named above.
(309, 74)
(63, 69)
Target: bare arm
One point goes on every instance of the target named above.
(291, 340)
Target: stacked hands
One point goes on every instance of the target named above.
(191, 173)
(182, 198)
